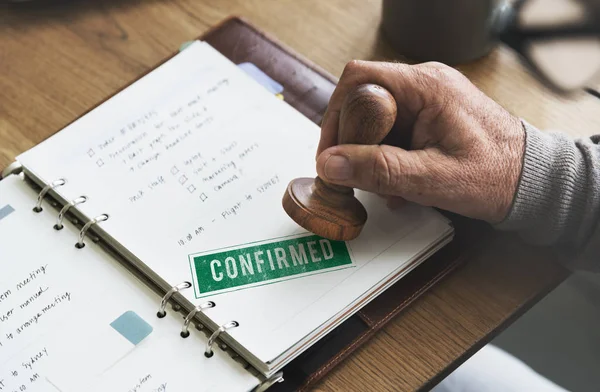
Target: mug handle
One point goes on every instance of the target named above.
(522, 39)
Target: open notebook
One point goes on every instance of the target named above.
(182, 174)
(79, 321)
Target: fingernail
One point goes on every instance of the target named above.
(338, 168)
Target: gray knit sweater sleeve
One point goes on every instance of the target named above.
(557, 202)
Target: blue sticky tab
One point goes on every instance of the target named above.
(132, 327)
(261, 77)
(6, 211)
(185, 45)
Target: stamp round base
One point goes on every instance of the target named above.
(327, 212)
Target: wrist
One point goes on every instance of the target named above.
(511, 166)
(549, 191)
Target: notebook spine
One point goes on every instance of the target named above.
(162, 312)
(13, 168)
(208, 352)
(67, 206)
(269, 382)
(66, 210)
(53, 185)
(231, 324)
(100, 218)
(186, 322)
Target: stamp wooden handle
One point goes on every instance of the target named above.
(367, 115)
(332, 211)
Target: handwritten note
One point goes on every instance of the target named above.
(24, 376)
(232, 210)
(57, 315)
(35, 300)
(47, 291)
(145, 140)
(148, 383)
(29, 300)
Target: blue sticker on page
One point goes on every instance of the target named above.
(132, 327)
(184, 45)
(261, 77)
(6, 211)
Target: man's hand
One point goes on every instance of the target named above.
(465, 152)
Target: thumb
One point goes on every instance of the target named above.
(381, 169)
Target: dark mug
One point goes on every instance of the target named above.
(449, 31)
(559, 40)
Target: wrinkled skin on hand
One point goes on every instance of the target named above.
(464, 152)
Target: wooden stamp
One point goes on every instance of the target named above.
(332, 211)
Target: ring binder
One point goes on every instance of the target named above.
(63, 211)
(163, 303)
(52, 185)
(100, 218)
(208, 352)
(184, 330)
(13, 168)
(269, 382)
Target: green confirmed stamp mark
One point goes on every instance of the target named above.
(266, 262)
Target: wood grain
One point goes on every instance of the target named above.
(446, 325)
(59, 59)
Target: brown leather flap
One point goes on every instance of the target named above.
(306, 87)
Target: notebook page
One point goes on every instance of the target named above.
(194, 158)
(67, 315)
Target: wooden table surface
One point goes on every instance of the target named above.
(57, 61)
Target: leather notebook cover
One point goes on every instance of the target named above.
(308, 88)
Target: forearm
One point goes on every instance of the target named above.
(558, 197)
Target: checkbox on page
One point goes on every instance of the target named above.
(191, 188)
(100, 162)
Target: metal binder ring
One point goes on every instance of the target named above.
(63, 211)
(209, 352)
(163, 303)
(268, 383)
(40, 198)
(186, 323)
(84, 229)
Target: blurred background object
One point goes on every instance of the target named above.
(449, 31)
(558, 40)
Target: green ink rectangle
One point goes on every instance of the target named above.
(266, 262)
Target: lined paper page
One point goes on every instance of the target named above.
(196, 157)
(69, 317)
